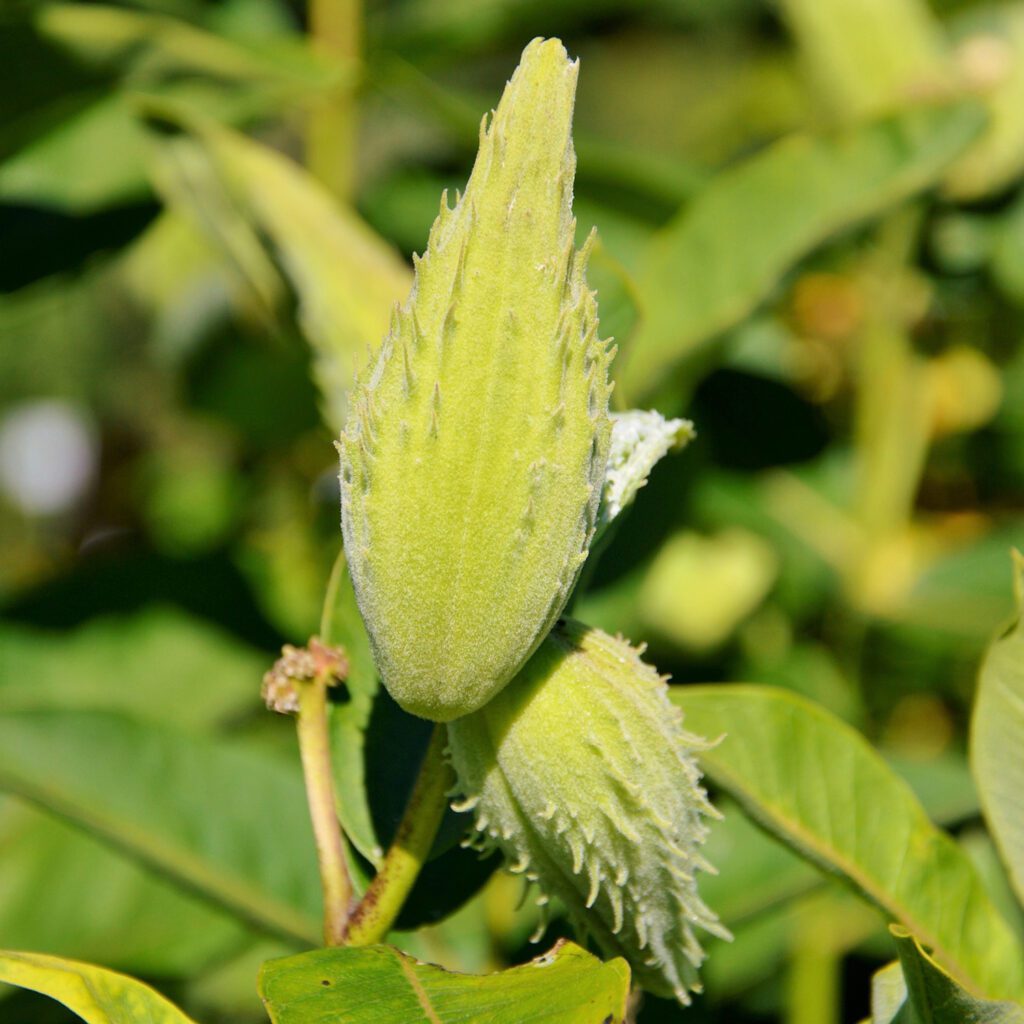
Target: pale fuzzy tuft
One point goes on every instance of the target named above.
(474, 455)
(640, 439)
(581, 773)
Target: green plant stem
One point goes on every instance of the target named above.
(315, 751)
(336, 28)
(376, 913)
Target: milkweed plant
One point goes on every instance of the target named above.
(483, 465)
(478, 463)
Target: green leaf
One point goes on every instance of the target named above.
(97, 995)
(941, 782)
(979, 845)
(919, 991)
(105, 146)
(818, 786)
(725, 251)
(154, 46)
(754, 874)
(381, 985)
(159, 663)
(245, 196)
(124, 915)
(94, 130)
(341, 623)
(997, 739)
(224, 820)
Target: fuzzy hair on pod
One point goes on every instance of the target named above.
(474, 453)
(581, 773)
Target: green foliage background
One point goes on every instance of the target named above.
(811, 243)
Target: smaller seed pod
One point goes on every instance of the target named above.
(581, 773)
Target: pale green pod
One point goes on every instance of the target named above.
(474, 454)
(580, 772)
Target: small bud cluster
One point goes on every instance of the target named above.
(301, 665)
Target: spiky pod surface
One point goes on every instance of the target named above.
(473, 458)
(581, 773)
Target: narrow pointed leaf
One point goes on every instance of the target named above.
(817, 785)
(381, 985)
(349, 719)
(345, 277)
(83, 150)
(727, 249)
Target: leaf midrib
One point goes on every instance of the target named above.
(184, 868)
(767, 814)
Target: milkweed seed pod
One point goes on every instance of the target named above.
(580, 772)
(474, 453)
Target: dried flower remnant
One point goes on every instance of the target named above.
(301, 665)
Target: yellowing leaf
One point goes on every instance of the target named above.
(97, 995)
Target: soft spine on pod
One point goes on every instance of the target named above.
(474, 452)
(581, 773)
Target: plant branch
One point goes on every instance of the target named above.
(336, 28)
(376, 913)
(315, 751)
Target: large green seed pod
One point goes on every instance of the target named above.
(472, 461)
(581, 773)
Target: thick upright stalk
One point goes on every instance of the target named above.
(376, 913)
(336, 29)
(315, 750)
